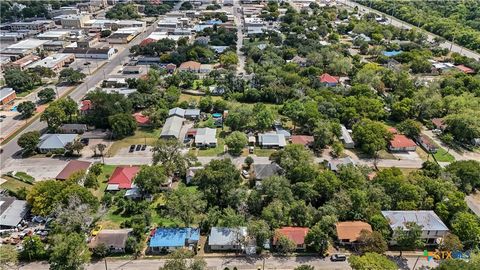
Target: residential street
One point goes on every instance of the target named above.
(11, 148)
(239, 23)
(398, 23)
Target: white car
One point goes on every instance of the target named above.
(245, 174)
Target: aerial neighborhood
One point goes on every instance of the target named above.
(239, 134)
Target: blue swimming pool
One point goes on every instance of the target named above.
(13, 109)
(216, 115)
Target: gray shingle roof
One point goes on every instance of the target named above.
(55, 141)
(427, 219)
(272, 139)
(176, 111)
(4, 92)
(263, 171)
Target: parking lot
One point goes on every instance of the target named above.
(39, 168)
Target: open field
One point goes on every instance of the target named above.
(142, 136)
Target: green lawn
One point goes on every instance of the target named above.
(107, 170)
(197, 84)
(442, 156)
(263, 152)
(142, 136)
(13, 184)
(210, 152)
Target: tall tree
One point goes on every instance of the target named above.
(123, 125)
(372, 242)
(317, 239)
(169, 154)
(371, 136)
(150, 179)
(29, 140)
(236, 141)
(46, 95)
(408, 238)
(185, 204)
(371, 261)
(69, 252)
(26, 109)
(33, 248)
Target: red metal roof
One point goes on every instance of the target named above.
(296, 234)
(302, 139)
(401, 141)
(141, 119)
(147, 41)
(123, 176)
(327, 78)
(465, 69)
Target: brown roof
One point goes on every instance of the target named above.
(190, 65)
(111, 238)
(302, 139)
(296, 234)
(439, 123)
(72, 167)
(350, 230)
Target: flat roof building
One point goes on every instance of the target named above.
(54, 62)
(172, 127)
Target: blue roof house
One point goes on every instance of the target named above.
(164, 240)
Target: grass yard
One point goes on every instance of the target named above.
(386, 155)
(197, 84)
(210, 152)
(187, 97)
(263, 152)
(107, 170)
(421, 153)
(142, 136)
(14, 185)
(443, 156)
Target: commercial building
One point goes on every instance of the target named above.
(7, 96)
(54, 62)
(23, 62)
(91, 53)
(38, 25)
(24, 47)
(54, 35)
(124, 35)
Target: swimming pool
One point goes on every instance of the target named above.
(216, 115)
(13, 109)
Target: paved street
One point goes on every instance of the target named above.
(240, 26)
(398, 23)
(11, 148)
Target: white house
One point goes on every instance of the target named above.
(222, 239)
(206, 137)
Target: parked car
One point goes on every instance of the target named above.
(338, 258)
(3, 116)
(85, 141)
(139, 146)
(245, 174)
(97, 229)
(132, 148)
(144, 147)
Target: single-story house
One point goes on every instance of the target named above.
(73, 128)
(304, 140)
(439, 123)
(190, 66)
(122, 178)
(272, 140)
(176, 111)
(172, 127)
(86, 106)
(115, 82)
(55, 142)
(280, 130)
(191, 173)
(168, 239)
(328, 80)
(346, 138)
(206, 137)
(349, 231)
(432, 226)
(465, 69)
(222, 239)
(335, 164)
(12, 212)
(7, 96)
(262, 171)
(72, 167)
(427, 143)
(142, 120)
(401, 143)
(113, 240)
(192, 114)
(300, 61)
(170, 68)
(295, 234)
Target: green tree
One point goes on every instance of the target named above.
(236, 141)
(371, 261)
(284, 244)
(467, 227)
(317, 239)
(228, 59)
(19, 80)
(75, 146)
(218, 181)
(123, 125)
(26, 109)
(410, 128)
(408, 238)
(185, 204)
(33, 248)
(54, 116)
(263, 117)
(169, 154)
(372, 242)
(239, 118)
(150, 179)
(46, 95)
(29, 140)
(451, 242)
(69, 252)
(371, 136)
(248, 161)
(260, 231)
(71, 76)
(466, 174)
(304, 266)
